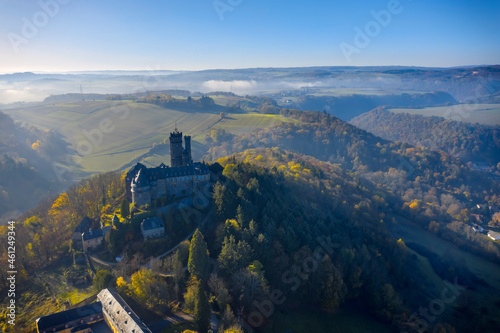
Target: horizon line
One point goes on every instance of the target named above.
(75, 72)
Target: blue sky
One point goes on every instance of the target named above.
(190, 34)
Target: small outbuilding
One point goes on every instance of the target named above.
(153, 228)
(494, 235)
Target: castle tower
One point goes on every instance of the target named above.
(129, 177)
(176, 148)
(186, 155)
(140, 188)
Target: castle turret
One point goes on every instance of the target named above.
(176, 148)
(186, 154)
(129, 177)
(141, 193)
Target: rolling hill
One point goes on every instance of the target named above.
(469, 142)
(462, 83)
(131, 129)
(310, 175)
(484, 114)
(347, 107)
(27, 174)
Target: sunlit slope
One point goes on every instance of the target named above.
(108, 135)
(485, 114)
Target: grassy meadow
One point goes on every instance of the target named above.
(108, 135)
(481, 296)
(47, 293)
(485, 114)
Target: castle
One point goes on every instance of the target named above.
(182, 178)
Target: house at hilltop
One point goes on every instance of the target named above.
(494, 235)
(84, 225)
(92, 239)
(152, 228)
(182, 178)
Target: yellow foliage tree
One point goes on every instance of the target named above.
(36, 145)
(121, 284)
(61, 203)
(141, 283)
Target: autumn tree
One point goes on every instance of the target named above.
(218, 288)
(150, 289)
(103, 279)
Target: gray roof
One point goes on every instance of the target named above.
(95, 233)
(84, 225)
(146, 175)
(64, 317)
(493, 234)
(133, 171)
(152, 223)
(141, 179)
(123, 318)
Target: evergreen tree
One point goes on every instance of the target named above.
(125, 208)
(234, 256)
(240, 217)
(202, 311)
(103, 279)
(178, 273)
(229, 323)
(198, 263)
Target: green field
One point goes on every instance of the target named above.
(486, 114)
(337, 92)
(44, 294)
(487, 296)
(130, 129)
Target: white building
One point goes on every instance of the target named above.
(494, 235)
(477, 228)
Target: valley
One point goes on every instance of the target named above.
(397, 201)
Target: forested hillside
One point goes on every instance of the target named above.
(308, 208)
(283, 222)
(320, 236)
(348, 107)
(436, 188)
(44, 232)
(469, 142)
(27, 173)
(278, 211)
